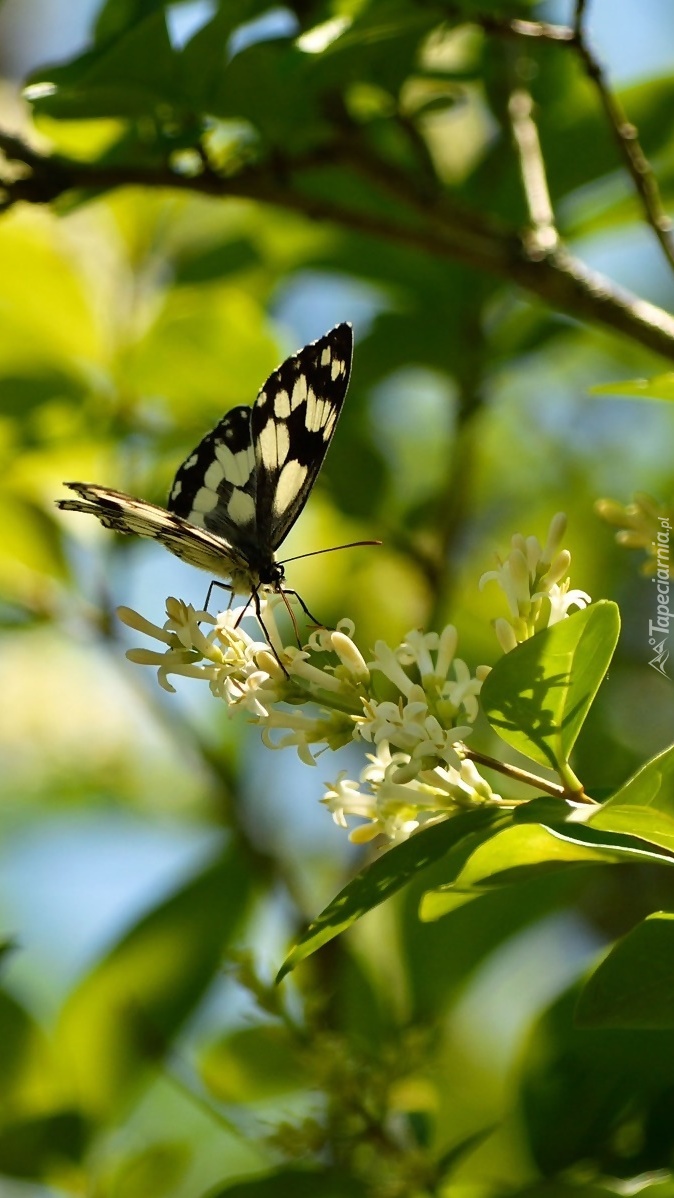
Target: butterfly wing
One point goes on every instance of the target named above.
(293, 422)
(215, 488)
(236, 496)
(126, 514)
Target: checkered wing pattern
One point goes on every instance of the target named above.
(238, 494)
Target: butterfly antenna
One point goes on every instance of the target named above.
(332, 549)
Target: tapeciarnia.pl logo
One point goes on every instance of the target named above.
(658, 629)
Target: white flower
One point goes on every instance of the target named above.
(463, 691)
(394, 807)
(386, 661)
(554, 539)
(561, 599)
(248, 692)
(531, 579)
(340, 642)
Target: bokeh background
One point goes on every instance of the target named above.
(128, 325)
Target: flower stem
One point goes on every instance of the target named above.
(573, 792)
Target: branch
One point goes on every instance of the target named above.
(543, 233)
(627, 140)
(624, 132)
(541, 31)
(558, 279)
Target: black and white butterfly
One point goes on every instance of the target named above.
(238, 494)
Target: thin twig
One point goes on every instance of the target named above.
(541, 31)
(578, 19)
(624, 132)
(627, 140)
(513, 771)
(543, 235)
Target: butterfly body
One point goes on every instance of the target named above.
(235, 498)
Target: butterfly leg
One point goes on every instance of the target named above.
(291, 613)
(255, 597)
(224, 586)
(304, 607)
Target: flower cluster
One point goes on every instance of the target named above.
(640, 526)
(415, 704)
(397, 808)
(533, 579)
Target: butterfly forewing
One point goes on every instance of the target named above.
(293, 423)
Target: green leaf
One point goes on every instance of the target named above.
(32, 1148)
(26, 1068)
(385, 876)
(537, 696)
(381, 46)
(127, 77)
(550, 1187)
(600, 1098)
(644, 806)
(217, 261)
(661, 386)
(285, 110)
(127, 1009)
(203, 60)
(443, 955)
(21, 393)
(573, 127)
(515, 854)
(455, 1155)
(253, 1064)
(155, 1170)
(294, 1183)
(633, 987)
(575, 831)
(116, 16)
(651, 786)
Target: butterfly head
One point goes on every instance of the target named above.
(272, 575)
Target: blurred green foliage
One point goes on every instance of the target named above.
(146, 841)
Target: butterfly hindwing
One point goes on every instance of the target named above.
(126, 514)
(215, 487)
(293, 423)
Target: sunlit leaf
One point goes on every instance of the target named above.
(444, 954)
(385, 876)
(207, 346)
(661, 386)
(513, 855)
(537, 696)
(28, 1078)
(644, 805)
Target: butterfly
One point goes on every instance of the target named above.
(236, 497)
